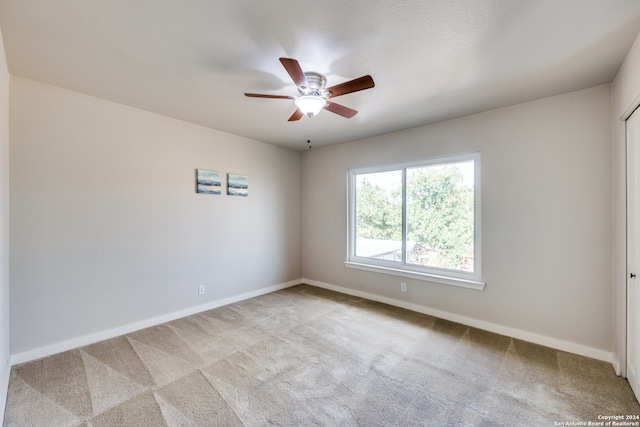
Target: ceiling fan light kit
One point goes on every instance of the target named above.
(310, 105)
(313, 95)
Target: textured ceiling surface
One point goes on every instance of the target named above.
(431, 60)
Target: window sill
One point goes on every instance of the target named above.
(453, 281)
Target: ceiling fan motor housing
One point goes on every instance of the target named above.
(316, 82)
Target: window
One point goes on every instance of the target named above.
(418, 219)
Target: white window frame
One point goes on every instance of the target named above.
(471, 280)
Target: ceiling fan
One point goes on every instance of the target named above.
(314, 97)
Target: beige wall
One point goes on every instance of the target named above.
(626, 97)
(107, 229)
(546, 219)
(4, 228)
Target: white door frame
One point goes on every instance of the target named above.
(620, 359)
(631, 367)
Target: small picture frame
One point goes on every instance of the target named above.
(237, 185)
(208, 182)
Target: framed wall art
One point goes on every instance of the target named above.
(208, 182)
(237, 185)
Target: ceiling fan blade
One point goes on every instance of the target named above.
(259, 95)
(340, 110)
(297, 115)
(361, 83)
(295, 71)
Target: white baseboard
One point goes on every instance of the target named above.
(617, 366)
(546, 341)
(71, 344)
(492, 327)
(4, 385)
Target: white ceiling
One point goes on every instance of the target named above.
(431, 60)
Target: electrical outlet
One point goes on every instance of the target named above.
(201, 290)
(403, 287)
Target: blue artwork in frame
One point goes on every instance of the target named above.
(208, 182)
(237, 185)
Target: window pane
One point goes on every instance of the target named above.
(378, 219)
(440, 216)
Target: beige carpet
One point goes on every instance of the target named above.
(307, 356)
